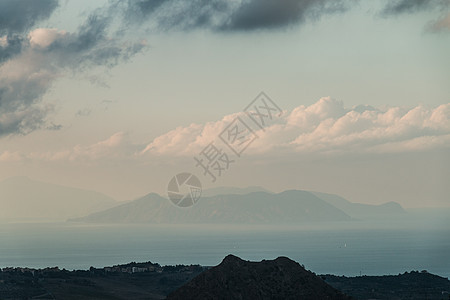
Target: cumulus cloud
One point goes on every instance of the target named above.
(187, 140)
(117, 145)
(325, 127)
(30, 62)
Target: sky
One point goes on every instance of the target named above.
(119, 96)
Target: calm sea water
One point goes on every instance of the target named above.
(344, 249)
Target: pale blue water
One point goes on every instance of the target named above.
(343, 249)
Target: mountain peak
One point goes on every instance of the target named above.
(230, 258)
(235, 278)
(153, 195)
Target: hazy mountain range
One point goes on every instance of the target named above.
(24, 199)
(360, 210)
(256, 207)
(291, 206)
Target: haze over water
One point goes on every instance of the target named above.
(370, 248)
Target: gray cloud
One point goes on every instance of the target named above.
(12, 46)
(30, 62)
(20, 111)
(222, 15)
(440, 25)
(23, 120)
(413, 6)
(91, 45)
(251, 15)
(85, 112)
(19, 15)
(267, 14)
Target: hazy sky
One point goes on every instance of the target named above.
(119, 96)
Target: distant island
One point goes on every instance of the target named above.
(256, 207)
(233, 278)
(26, 200)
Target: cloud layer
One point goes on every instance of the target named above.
(223, 15)
(326, 127)
(411, 6)
(250, 15)
(17, 16)
(440, 24)
(31, 59)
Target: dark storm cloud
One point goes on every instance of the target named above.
(223, 15)
(19, 15)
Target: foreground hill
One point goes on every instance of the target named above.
(258, 207)
(235, 278)
(147, 280)
(409, 285)
(24, 199)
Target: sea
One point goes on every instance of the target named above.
(342, 248)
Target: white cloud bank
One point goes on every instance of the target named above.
(328, 127)
(325, 127)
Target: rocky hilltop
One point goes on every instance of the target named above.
(235, 278)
